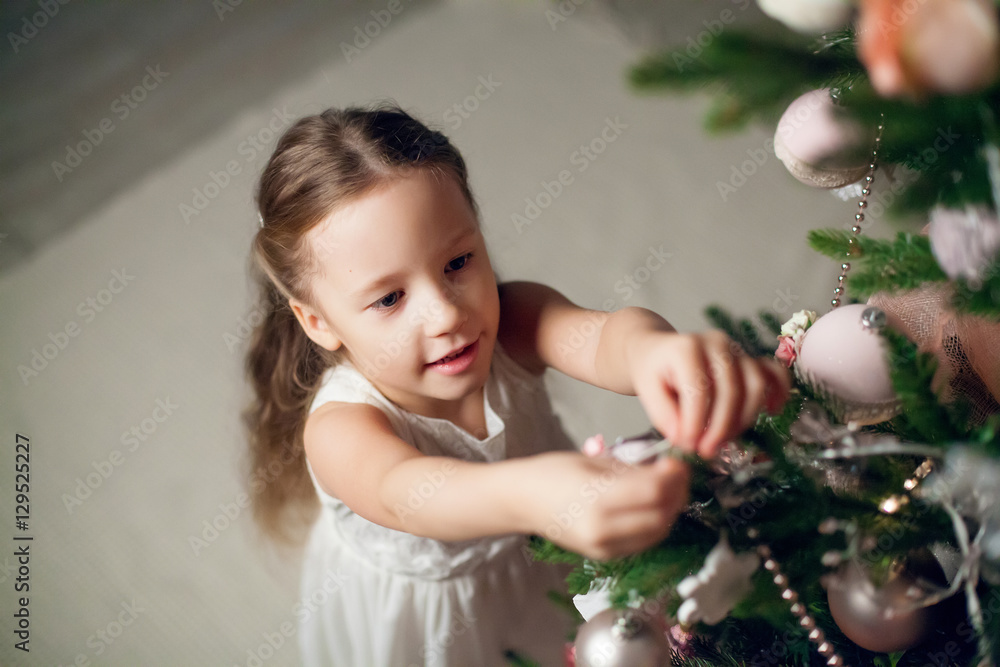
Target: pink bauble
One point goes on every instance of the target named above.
(878, 619)
(964, 241)
(821, 146)
(953, 46)
(622, 638)
(846, 363)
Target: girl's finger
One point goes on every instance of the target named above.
(727, 377)
(639, 532)
(652, 521)
(696, 392)
(629, 532)
(663, 482)
(779, 384)
(755, 383)
(661, 406)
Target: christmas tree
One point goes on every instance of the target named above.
(862, 525)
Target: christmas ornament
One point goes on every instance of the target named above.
(723, 581)
(741, 464)
(594, 445)
(682, 642)
(964, 344)
(622, 638)
(967, 488)
(808, 16)
(970, 483)
(643, 448)
(819, 144)
(792, 333)
(944, 46)
(965, 242)
(859, 217)
(878, 619)
(812, 427)
(843, 360)
(806, 622)
(594, 601)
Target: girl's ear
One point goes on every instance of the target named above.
(315, 325)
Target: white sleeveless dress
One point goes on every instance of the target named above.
(376, 597)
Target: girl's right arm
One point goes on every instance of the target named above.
(600, 508)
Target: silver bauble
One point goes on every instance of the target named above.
(622, 638)
(860, 610)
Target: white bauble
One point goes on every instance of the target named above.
(809, 16)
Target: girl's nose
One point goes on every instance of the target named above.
(445, 314)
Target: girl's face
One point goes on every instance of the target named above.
(406, 287)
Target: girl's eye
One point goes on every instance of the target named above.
(388, 301)
(458, 263)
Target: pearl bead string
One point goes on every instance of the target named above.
(806, 621)
(852, 247)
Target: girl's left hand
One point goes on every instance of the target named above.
(701, 390)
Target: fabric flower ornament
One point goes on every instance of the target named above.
(786, 351)
(945, 46)
(798, 323)
(723, 581)
(792, 332)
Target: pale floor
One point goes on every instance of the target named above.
(129, 308)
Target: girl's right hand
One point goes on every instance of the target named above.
(603, 508)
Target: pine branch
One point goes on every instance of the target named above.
(981, 298)
(770, 322)
(517, 660)
(988, 436)
(742, 332)
(756, 76)
(903, 263)
(761, 75)
(923, 418)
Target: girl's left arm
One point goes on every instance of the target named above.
(697, 389)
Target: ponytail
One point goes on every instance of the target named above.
(284, 367)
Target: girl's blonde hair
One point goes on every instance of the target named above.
(321, 163)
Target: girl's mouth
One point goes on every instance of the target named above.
(457, 361)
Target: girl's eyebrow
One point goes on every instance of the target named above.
(461, 236)
(376, 286)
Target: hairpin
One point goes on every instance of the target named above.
(261, 218)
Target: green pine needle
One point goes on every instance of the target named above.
(770, 322)
(981, 297)
(743, 332)
(923, 418)
(761, 75)
(903, 263)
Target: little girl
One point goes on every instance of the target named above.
(400, 384)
